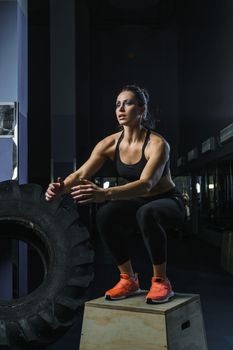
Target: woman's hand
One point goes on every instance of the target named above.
(88, 192)
(54, 189)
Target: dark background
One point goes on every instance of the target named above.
(179, 50)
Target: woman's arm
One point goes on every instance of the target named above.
(158, 153)
(87, 170)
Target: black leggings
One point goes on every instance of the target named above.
(118, 220)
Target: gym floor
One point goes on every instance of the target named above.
(193, 267)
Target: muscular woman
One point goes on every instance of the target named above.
(148, 201)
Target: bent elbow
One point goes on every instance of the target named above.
(148, 185)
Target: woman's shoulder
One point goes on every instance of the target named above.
(157, 139)
(108, 143)
(111, 139)
(158, 144)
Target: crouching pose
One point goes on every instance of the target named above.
(149, 201)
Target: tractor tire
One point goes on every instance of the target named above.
(54, 229)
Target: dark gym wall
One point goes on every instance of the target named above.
(38, 92)
(83, 81)
(62, 87)
(205, 51)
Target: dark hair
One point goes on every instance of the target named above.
(142, 97)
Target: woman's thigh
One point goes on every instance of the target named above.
(165, 211)
(119, 213)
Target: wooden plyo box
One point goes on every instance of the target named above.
(131, 324)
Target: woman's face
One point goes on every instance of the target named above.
(127, 110)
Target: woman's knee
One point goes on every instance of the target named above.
(103, 216)
(108, 216)
(145, 215)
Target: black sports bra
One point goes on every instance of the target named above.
(132, 172)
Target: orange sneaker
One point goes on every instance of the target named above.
(160, 292)
(124, 288)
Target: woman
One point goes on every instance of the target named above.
(148, 200)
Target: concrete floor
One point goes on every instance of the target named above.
(193, 267)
